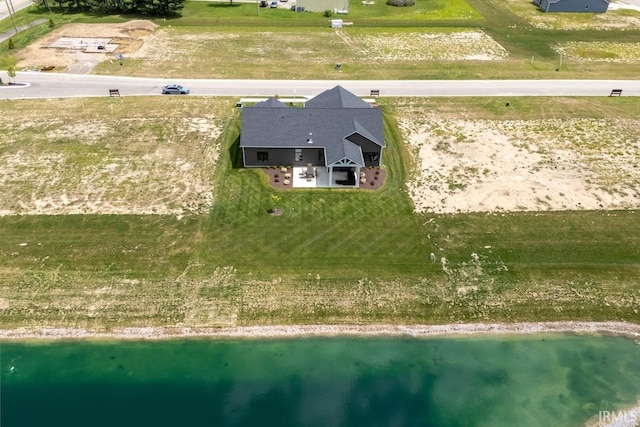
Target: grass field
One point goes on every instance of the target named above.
(383, 43)
(334, 256)
(208, 253)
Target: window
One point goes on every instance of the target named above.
(263, 156)
(298, 154)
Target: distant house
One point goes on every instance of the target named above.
(335, 130)
(591, 6)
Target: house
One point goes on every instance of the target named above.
(335, 130)
(592, 6)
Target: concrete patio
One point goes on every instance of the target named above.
(321, 180)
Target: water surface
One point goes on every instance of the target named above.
(541, 380)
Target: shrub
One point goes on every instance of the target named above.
(12, 45)
(328, 13)
(51, 23)
(401, 3)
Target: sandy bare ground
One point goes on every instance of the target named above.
(84, 167)
(600, 51)
(456, 46)
(489, 165)
(129, 37)
(617, 328)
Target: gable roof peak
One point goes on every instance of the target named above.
(271, 103)
(338, 97)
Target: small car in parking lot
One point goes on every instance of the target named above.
(274, 4)
(175, 90)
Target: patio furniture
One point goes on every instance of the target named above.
(310, 171)
(351, 179)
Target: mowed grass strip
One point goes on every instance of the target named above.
(223, 13)
(334, 256)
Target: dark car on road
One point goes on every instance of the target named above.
(175, 90)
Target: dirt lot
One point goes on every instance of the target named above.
(240, 50)
(85, 157)
(129, 37)
(523, 165)
(139, 40)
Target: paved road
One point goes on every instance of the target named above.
(17, 5)
(58, 85)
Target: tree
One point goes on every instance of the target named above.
(158, 7)
(276, 200)
(102, 7)
(11, 72)
(43, 3)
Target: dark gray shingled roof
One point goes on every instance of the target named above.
(349, 150)
(314, 126)
(271, 103)
(338, 97)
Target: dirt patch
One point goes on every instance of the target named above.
(458, 46)
(517, 165)
(109, 167)
(128, 37)
(599, 51)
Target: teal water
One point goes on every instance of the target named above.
(544, 380)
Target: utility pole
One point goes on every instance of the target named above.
(9, 8)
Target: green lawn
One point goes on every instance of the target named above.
(334, 256)
(203, 13)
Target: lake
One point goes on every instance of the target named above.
(535, 380)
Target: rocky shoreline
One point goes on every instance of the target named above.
(631, 330)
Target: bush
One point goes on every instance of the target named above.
(12, 45)
(328, 13)
(401, 3)
(51, 23)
